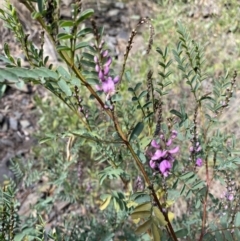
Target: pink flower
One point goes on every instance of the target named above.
(152, 164)
(174, 134)
(165, 167)
(169, 142)
(116, 79)
(175, 150)
(96, 59)
(155, 144)
(106, 70)
(108, 85)
(158, 154)
(97, 68)
(107, 82)
(104, 53)
(163, 157)
(199, 162)
(230, 197)
(109, 61)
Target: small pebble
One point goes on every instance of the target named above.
(24, 124)
(13, 123)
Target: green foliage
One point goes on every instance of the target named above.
(117, 145)
(9, 218)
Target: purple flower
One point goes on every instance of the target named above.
(164, 167)
(174, 151)
(153, 164)
(199, 162)
(96, 59)
(230, 197)
(109, 61)
(169, 142)
(100, 75)
(106, 70)
(116, 79)
(158, 154)
(108, 85)
(104, 53)
(196, 149)
(97, 68)
(162, 158)
(155, 144)
(174, 134)
(107, 82)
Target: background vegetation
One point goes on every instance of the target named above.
(75, 183)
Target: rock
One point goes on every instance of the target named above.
(17, 114)
(24, 124)
(113, 12)
(13, 123)
(119, 5)
(1, 118)
(4, 126)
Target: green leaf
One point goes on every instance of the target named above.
(84, 32)
(143, 227)
(187, 175)
(6, 74)
(84, 15)
(198, 185)
(3, 88)
(88, 56)
(5, 60)
(144, 93)
(228, 235)
(136, 131)
(64, 87)
(208, 237)
(140, 197)
(141, 214)
(62, 47)
(63, 72)
(159, 51)
(130, 89)
(160, 218)
(88, 63)
(81, 45)
(40, 6)
(177, 113)
(128, 77)
(51, 73)
(75, 81)
(116, 97)
(66, 23)
(62, 36)
(36, 15)
(116, 204)
(137, 86)
(182, 233)
(143, 207)
(106, 202)
(92, 81)
(155, 232)
(110, 173)
(219, 236)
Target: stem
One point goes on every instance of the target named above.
(205, 201)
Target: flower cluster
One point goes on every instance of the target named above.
(163, 158)
(108, 82)
(197, 149)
